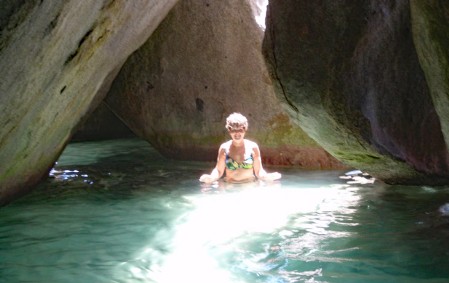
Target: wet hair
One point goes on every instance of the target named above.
(236, 121)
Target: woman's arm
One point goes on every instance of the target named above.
(257, 165)
(258, 168)
(219, 169)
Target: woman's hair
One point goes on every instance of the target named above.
(236, 121)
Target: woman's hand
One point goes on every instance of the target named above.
(206, 178)
(271, 176)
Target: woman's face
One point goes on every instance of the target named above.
(237, 133)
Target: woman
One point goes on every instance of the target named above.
(239, 157)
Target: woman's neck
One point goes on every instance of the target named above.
(238, 143)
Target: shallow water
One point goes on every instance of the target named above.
(116, 211)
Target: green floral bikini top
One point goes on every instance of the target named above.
(231, 164)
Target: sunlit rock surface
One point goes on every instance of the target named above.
(351, 77)
(57, 59)
(203, 63)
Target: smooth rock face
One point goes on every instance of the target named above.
(56, 58)
(203, 63)
(430, 26)
(350, 76)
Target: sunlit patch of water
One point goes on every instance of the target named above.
(211, 242)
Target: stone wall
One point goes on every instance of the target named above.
(58, 58)
(351, 76)
(177, 90)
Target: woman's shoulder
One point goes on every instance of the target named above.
(251, 144)
(225, 146)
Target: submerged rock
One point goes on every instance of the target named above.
(352, 79)
(177, 90)
(58, 58)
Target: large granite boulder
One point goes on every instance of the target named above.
(203, 63)
(350, 75)
(57, 61)
(430, 26)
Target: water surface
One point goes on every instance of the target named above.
(116, 211)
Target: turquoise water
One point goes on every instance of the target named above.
(116, 211)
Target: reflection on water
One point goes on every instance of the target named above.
(116, 211)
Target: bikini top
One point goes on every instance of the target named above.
(247, 163)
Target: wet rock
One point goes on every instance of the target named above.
(352, 79)
(58, 58)
(177, 90)
(444, 209)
